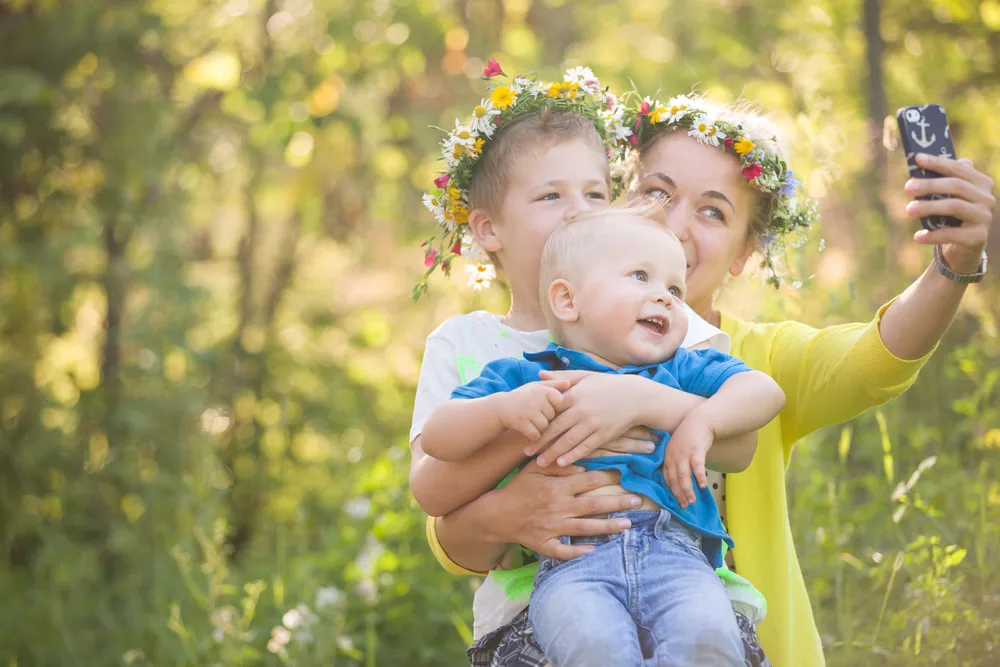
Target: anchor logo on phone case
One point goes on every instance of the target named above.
(924, 129)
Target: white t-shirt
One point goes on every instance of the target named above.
(456, 353)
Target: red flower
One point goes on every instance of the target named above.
(644, 108)
(429, 257)
(729, 142)
(457, 248)
(492, 69)
(442, 180)
(752, 171)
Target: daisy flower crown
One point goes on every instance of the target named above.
(461, 149)
(790, 214)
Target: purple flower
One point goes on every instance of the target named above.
(789, 185)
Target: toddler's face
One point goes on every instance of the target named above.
(630, 296)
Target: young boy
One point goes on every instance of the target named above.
(612, 287)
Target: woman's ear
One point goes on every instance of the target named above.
(562, 301)
(740, 261)
(481, 226)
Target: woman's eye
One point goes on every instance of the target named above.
(596, 195)
(676, 291)
(713, 212)
(641, 276)
(657, 193)
(552, 196)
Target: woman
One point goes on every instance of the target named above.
(829, 375)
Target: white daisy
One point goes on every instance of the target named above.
(483, 116)
(433, 205)
(580, 75)
(613, 124)
(480, 275)
(705, 130)
(526, 86)
(459, 141)
(471, 250)
(677, 107)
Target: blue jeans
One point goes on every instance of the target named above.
(645, 597)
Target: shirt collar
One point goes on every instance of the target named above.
(562, 358)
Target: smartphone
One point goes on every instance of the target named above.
(924, 129)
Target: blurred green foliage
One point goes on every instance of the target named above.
(209, 220)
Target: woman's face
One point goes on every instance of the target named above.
(709, 208)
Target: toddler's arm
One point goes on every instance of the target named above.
(461, 427)
(744, 403)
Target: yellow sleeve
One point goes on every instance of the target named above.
(834, 374)
(442, 557)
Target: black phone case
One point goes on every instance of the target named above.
(924, 129)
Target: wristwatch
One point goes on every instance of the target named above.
(960, 278)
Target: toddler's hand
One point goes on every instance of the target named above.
(529, 408)
(597, 411)
(685, 454)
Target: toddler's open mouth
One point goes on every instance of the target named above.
(656, 324)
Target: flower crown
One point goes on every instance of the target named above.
(461, 149)
(790, 215)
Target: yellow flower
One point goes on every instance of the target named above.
(569, 89)
(454, 195)
(478, 148)
(554, 90)
(656, 115)
(743, 146)
(502, 97)
(460, 215)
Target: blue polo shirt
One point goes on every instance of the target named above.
(699, 372)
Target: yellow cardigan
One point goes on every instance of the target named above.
(829, 376)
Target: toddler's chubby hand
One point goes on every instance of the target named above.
(596, 410)
(685, 455)
(529, 408)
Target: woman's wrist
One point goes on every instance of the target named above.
(962, 260)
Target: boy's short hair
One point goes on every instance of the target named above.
(528, 134)
(566, 243)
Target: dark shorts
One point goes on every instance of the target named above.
(514, 645)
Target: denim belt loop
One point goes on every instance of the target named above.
(662, 523)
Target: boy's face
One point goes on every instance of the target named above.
(630, 296)
(559, 182)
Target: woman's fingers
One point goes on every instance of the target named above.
(960, 168)
(978, 215)
(969, 238)
(574, 485)
(553, 548)
(955, 187)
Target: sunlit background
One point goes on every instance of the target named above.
(209, 230)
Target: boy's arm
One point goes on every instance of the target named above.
(440, 488)
(461, 427)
